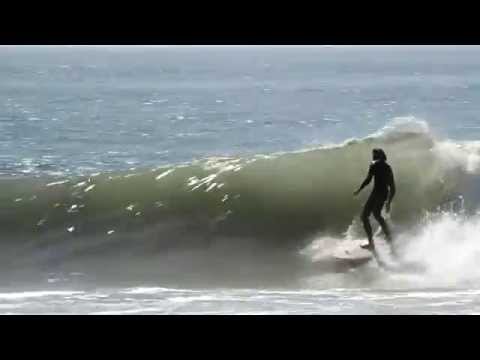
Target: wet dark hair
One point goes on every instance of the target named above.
(379, 154)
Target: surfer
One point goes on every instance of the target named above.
(383, 190)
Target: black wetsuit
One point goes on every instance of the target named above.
(384, 186)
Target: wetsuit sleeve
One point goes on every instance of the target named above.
(369, 177)
(391, 185)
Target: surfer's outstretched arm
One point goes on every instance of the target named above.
(366, 181)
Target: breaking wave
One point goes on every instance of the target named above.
(262, 204)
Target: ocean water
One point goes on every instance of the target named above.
(219, 180)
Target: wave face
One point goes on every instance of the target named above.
(276, 202)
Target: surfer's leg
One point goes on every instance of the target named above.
(377, 213)
(366, 223)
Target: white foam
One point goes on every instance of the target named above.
(35, 294)
(448, 245)
(403, 125)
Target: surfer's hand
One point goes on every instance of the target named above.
(387, 207)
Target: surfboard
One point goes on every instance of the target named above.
(351, 250)
(350, 253)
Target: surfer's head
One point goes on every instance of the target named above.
(379, 154)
